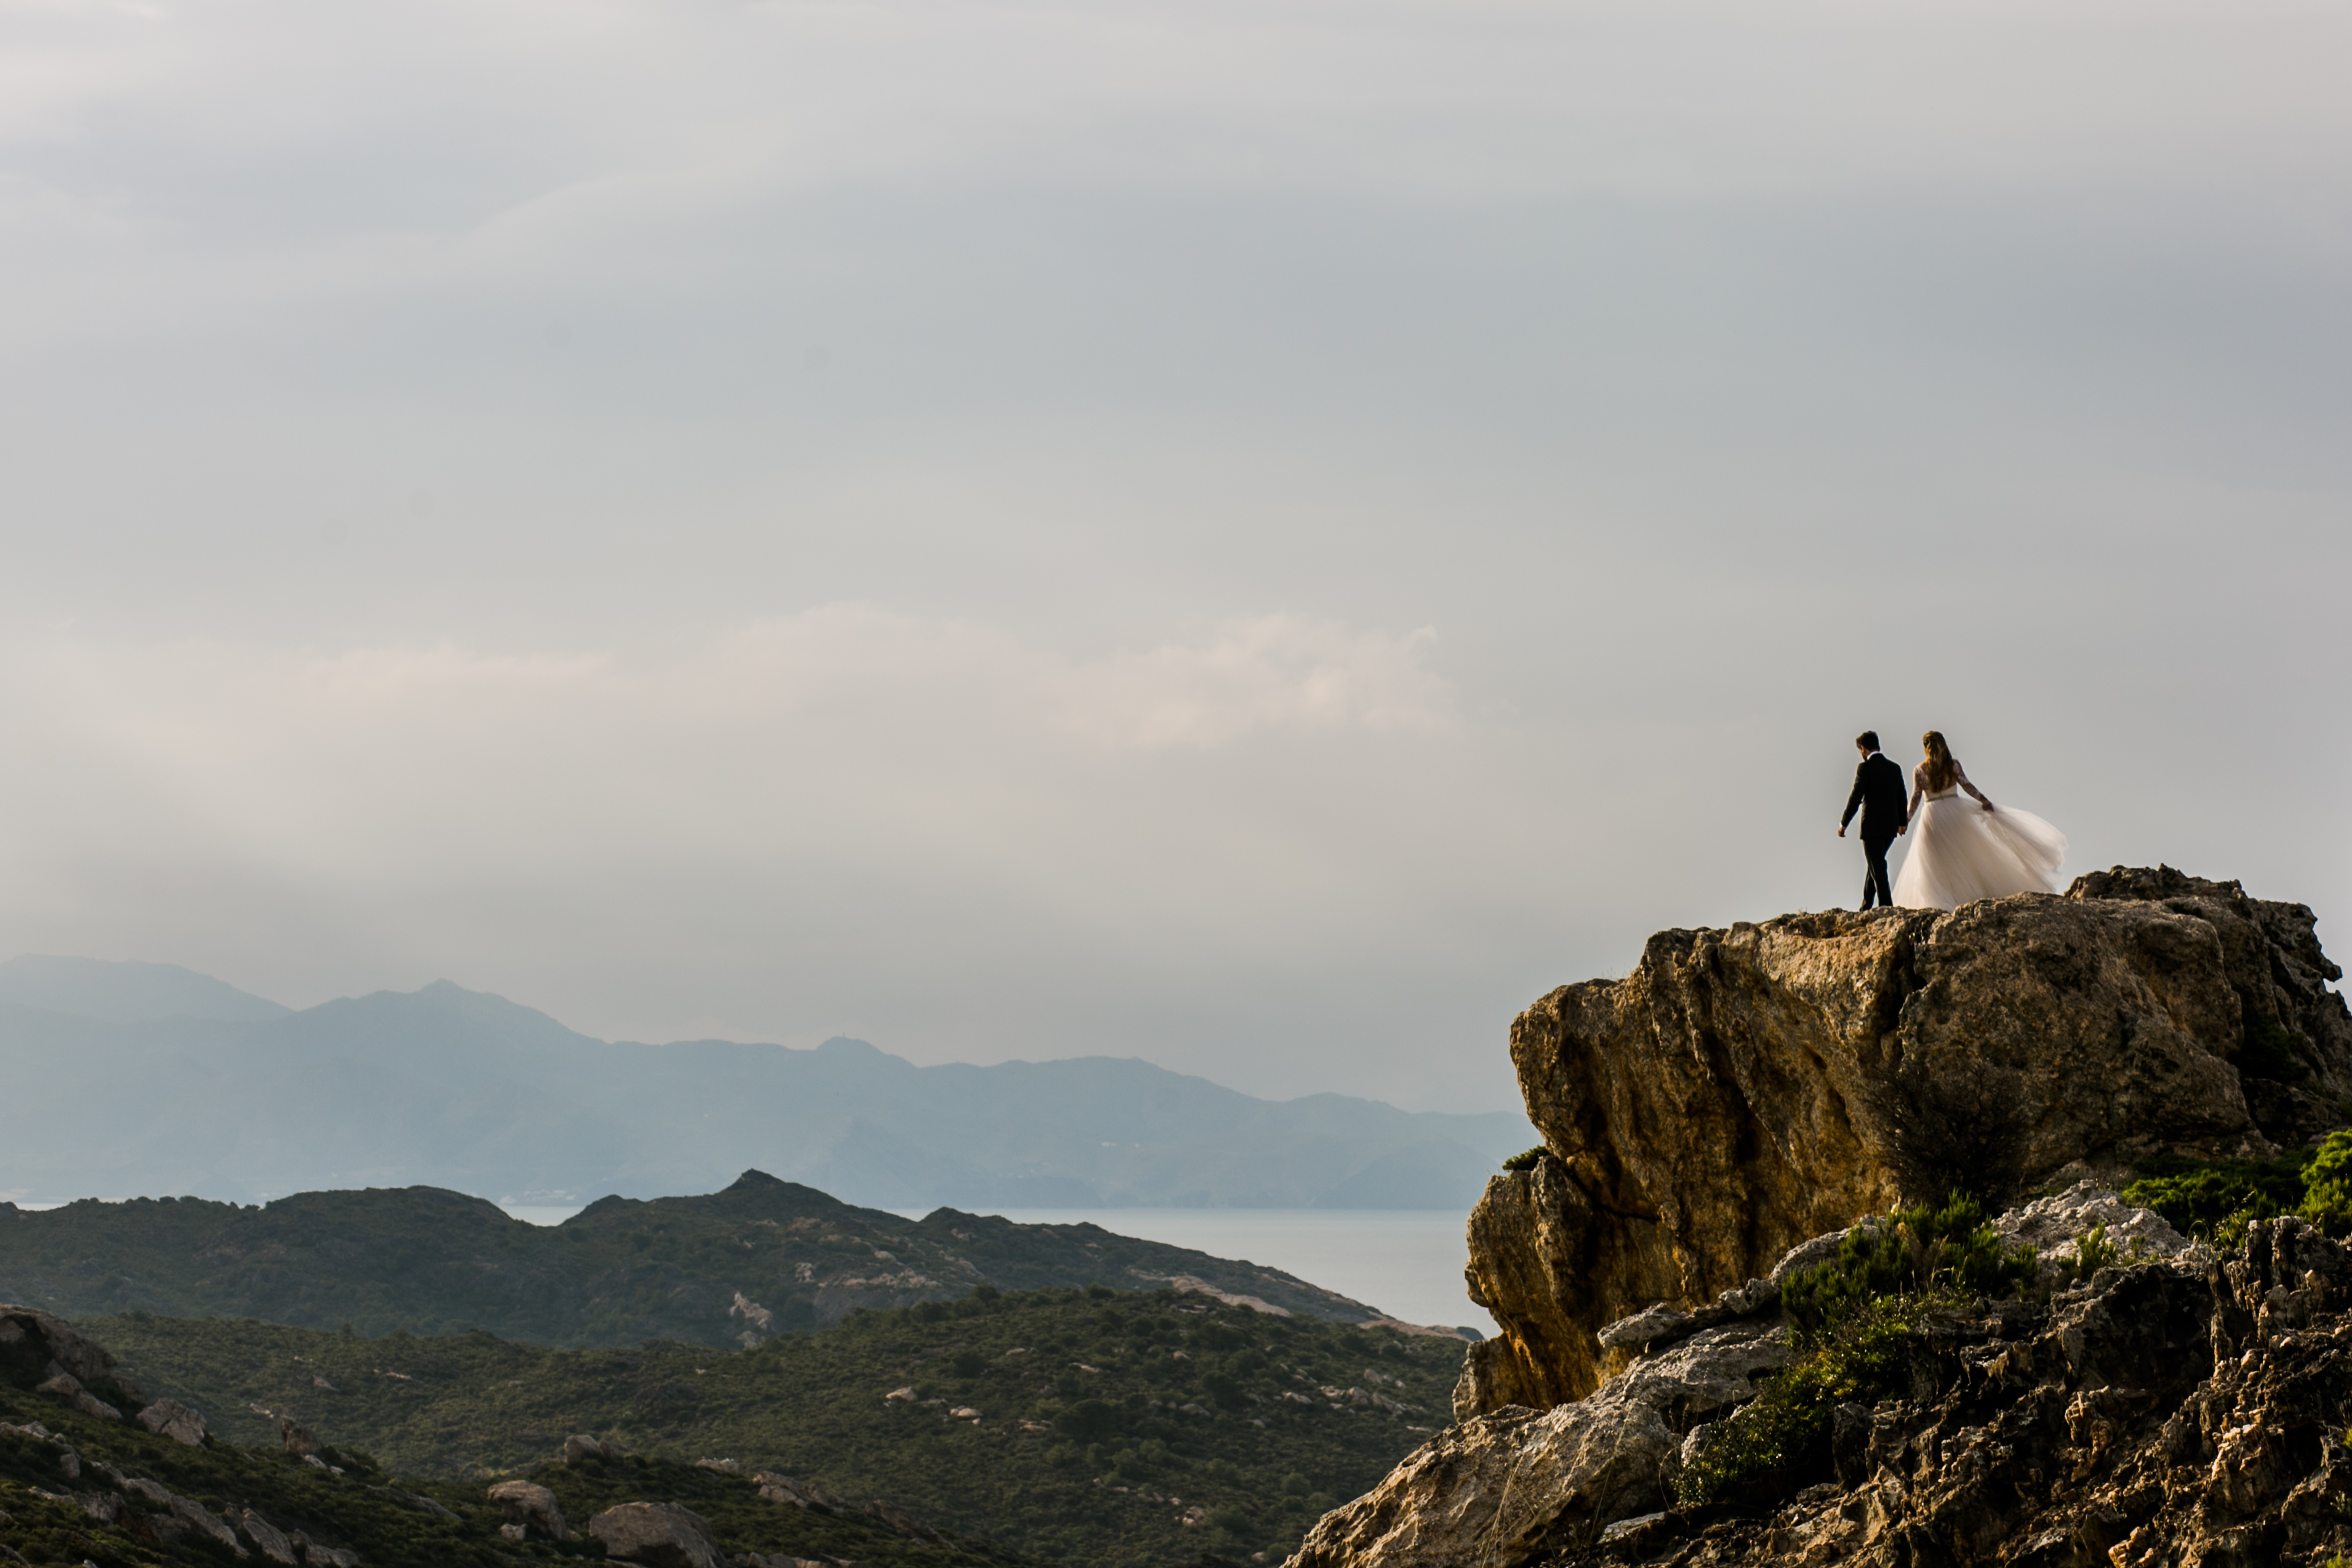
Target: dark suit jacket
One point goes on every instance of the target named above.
(1880, 795)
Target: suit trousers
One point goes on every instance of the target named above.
(1873, 877)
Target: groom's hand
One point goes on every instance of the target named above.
(1840, 830)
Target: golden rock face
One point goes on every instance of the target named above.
(1744, 1089)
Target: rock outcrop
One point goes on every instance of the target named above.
(2178, 1413)
(784, 1488)
(272, 1542)
(1742, 1090)
(170, 1418)
(664, 1534)
(44, 1348)
(532, 1507)
(2188, 1409)
(1504, 1486)
(1720, 1120)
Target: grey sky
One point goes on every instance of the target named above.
(1262, 537)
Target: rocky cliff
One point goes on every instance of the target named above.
(2184, 1410)
(1722, 1345)
(1744, 1089)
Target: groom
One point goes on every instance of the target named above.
(1879, 795)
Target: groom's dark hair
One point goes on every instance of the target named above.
(1867, 740)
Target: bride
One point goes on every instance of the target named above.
(1961, 852)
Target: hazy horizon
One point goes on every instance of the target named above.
(1262, 538)
(163, 1014)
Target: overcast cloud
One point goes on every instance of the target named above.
(1258, 536)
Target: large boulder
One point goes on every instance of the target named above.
(267, 1538)
(64, 1386)
(1744, 1089)
(1502, 1487)
(532, 1506)
(661, 1533)
(41, 1347)
(1499, 1486)
(170, 1418)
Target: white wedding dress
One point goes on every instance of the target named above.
(1961, 852)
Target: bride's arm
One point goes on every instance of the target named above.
(1961, 774)
(1919, 787)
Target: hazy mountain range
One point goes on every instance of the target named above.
(130, 1080)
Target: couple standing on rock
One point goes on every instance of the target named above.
(1959, 854)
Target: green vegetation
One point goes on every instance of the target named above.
(1106, 1419)
(2093, 1252)
(2327, 1184)
(762, 1258)
(1525, 1159)
(1916, 1249)
(2215, 1200)
(47, 1500)
(1780, 1440)
(1855, 1316)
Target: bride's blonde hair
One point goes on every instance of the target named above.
(1940, 767)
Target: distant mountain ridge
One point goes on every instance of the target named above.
(128, 991)
(761, 1258)
(461, 1089)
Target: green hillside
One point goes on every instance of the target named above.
(765, 1257)
(55, 1493)
(1099, 1427)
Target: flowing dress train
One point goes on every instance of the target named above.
(1961, 852)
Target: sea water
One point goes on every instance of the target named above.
(1405, 1262)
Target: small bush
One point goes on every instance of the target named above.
(1780, 1440)
(1525, 1158)
(2215, 1200)
(1854, 1315)
(1912, 1250)
(2327, 1184)
(2093, 1252)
